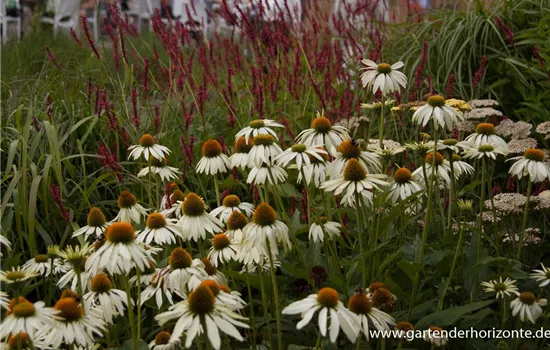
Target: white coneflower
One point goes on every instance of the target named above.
(239, 159)
(96, 224)
(160, 230)
(235, 224)
(223, 250)
(350, 149)
(423, 147)
(301, 155)
(265, 150)
(323, 133)
(273, 175)
(258, 127)
(450, 145)
(43, 264)
(367, 316)
(460, 167)
(436, 336)
(315, 173)
(146, 276)
(531, 163)
(442, 167)
(354, 182)
(76, 258)
(195, 222)
(213, 273)
(158, 288)
(264, 226)
(130, 209)
(327, 302)
(201, 310)
(542, 276)
(485, 135)
(322, 227)
(501, 288)
(21, 339)
(27, 317)
(263, 265)
(147, 147)
(213, 160)
(403, 185)
(162, 342)
(112, 302)
(16, 275)
(483, 151)
(436, 109)
(183, 272)
(383, 77)
(4, 300)
(527, 307)
(120, 253)
(161, 168)
(72, 327)
(230, 204)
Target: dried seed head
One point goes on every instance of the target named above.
(101, 283)
(96, 217)
(126, 200)
(384, 68)
(241, 146)
(231, 201)
(485, 129)
(201, 300)
(69, 309)
(436, 101)
(236, 221)
(41, 258)
(24, 309)
(192, 205)
(214, 288)
(437, 161)
(527, 298)
(211, 149)
(349, 149)
(354, 171)
(155, 221)
(220, 241)
(180, 259)
(402, 176)
(534, 154)
(209, 267)
(146, 140)
(360, 304)
(162, 338)
(120, 232)
(328, 297)
(263, 139)
(321, 125)
(264, 215)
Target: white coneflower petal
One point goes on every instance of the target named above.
(213, 161)
(323, 133)
(148, 148)
(527, 307)
(257, 127)
(444, 116)
(531, 164)
(542, 276)
(195, 222)
(383, 77)
(500, 287)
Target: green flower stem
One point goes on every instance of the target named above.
(525, 214)
(480, 227)
(276, 296)
(451, 199)
(381, 123)
(453, 265)
(252, 318)
(130, 312)
(361, 242)
(217, 188)
(308, 199)
(267, 319)
(138, 275)
(432, 183)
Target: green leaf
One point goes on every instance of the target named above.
(410, 268)
(129, 345)
(450, 316)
